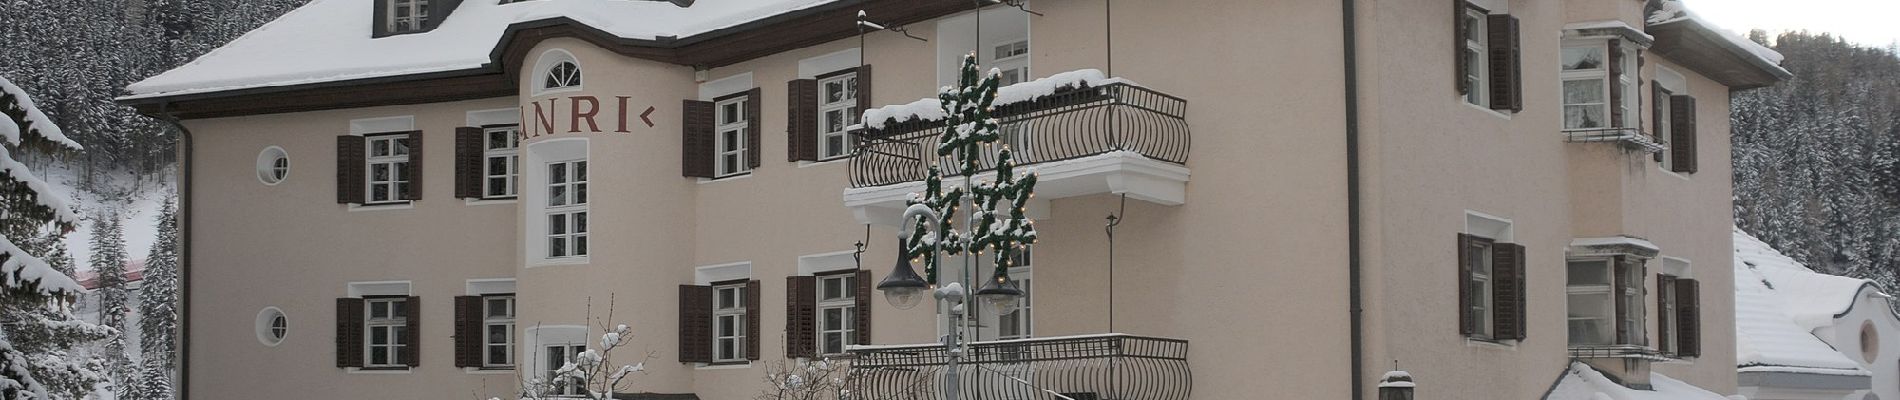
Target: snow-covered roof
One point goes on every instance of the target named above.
(1581, 382)
(330, 40)
(1673, 12)
(1778, 304)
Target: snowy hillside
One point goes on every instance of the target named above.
(137, 203)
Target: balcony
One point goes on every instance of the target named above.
(1095, 367)
(1115, 138)
(1629, 138)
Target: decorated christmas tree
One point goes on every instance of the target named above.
(998, 225)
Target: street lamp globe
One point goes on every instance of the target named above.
(903, 288)
(1000, 294)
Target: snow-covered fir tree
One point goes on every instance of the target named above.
(1817, 158)
(57, 343)
(111, 292)
(34, 363)
(158, 309)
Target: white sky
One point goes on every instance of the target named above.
(1867, 22)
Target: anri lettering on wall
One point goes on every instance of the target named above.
(584, 114)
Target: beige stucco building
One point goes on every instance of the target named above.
(1523, 199)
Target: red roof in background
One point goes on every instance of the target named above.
(134, 272)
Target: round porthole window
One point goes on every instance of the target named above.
(272, 326)
(273, 165)
(1869, 342)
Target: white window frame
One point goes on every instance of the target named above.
(1485, 289)
(563, 353)
(729, 115)
(397, 165)
(846, 106)
(508, 153)
(1672, 84)
(1023, 317)
(1011, 56)
(1601, 75)
(394, 329)
(1636, 303)
(418, 11)
(1666, 317)
(846, 305)
(506, 320)
(736, 312)
(273, 165)
(1633, 298)
(1477, 50)
(570, 210)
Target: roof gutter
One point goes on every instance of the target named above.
(184, 189)
(1350, 36)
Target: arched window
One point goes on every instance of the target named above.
(557, 70)
(563, 75)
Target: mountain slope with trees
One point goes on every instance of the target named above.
(1817, 158)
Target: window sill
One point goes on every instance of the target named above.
(1488, 110)
(550, 262)
(724, 365)
(823, 162)
(488, 201)
(727, 178)
(489, 370)
(1483, 343)
(379, 370)
(402, 205)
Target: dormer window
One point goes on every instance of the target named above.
(407, 16)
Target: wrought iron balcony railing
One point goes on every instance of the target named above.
(1631, 138)
(1096, 367)
(1070, 124)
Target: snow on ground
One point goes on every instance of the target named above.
(324, 40)
(139, 207)
(1584, 383)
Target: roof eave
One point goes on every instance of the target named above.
(1697, 46)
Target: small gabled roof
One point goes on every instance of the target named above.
(331, 40)
(1779, 303)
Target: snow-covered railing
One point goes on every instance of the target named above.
(1092, 367)
(1042, 121)
(1631, 138)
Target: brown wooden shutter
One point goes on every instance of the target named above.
(1658, 104)
(439, 11)
(1682, 132)
(468, 162)
(468, 331)
(863, 306)
(1616, 85)
(349, 332)
(1458, 33)
(696, 139)
(801, 120)
(1662, 321)
(1688, 318)
(379, 23)
(414, 171)
(412, 336)
(1507, 81)
(801, 316)
(752, 312)
(695, 330)
(1467, 321)
(350, 164)
(1507, 295)
(754, 146)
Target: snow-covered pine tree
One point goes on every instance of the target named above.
(158, 309)
(29, 288)
(108, 267)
